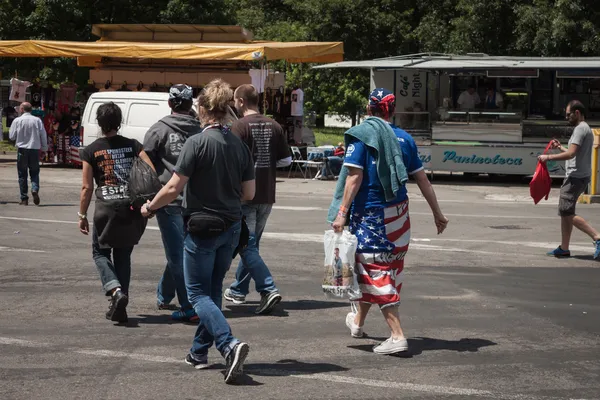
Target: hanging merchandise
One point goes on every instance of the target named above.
(141, 87)
(124, 88)
(107, 87)
(258, 78)
(68, 91)
(155, 88)
(11, 114)
(297, 102)
(49, 98)
(89, 90)
(18, 90)
(36, 95)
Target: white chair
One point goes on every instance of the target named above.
(298, 163)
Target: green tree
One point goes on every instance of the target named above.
(565, 28)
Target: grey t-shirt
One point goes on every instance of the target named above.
(216, 162)
(581, 165)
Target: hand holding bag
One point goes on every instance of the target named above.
(541, 183)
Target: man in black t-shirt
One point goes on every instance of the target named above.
(269, 150)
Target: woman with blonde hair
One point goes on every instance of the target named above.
(218, 170)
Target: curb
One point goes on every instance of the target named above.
(589, 199)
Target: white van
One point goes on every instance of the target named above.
(140, 110)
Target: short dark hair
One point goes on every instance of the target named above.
(182, 106)
(248, 93)
(576, 105)
(27, 108)
(109, 117)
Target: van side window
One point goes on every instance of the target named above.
(143, 115)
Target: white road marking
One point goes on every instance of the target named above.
(326, 377)
(290, 208)
(19, 342)
(141, 357)
(478, 216)
(538, 245)
(13, 249)
(318, 238)
(467, 295)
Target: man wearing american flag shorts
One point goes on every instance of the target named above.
(381, 227)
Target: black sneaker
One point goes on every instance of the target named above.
(117, 310)
(235, 362)
(197, 362)
(268, 301)
(36, 198)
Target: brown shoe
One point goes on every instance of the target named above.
(36, 198)
(24, 203)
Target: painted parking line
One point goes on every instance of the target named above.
(478, 216)
(417, 243)
(326, 377)
(17, 250)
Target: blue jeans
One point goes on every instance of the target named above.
(251, 265)
(113, 273)
(332, 167)
(170, 222)
(205, 263)
(28, 160)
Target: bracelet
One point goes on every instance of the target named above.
(150, 211)
(82, 216)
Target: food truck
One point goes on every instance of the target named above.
(482, 114)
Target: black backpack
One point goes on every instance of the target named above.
(143, 183)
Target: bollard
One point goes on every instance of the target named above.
(593, 197)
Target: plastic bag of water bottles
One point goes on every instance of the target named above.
(340, 280)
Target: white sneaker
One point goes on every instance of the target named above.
(391, 346)
(355, 330)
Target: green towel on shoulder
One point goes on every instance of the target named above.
(377, 134)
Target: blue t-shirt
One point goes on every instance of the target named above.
(359, 155)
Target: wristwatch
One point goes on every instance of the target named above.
(81, 216)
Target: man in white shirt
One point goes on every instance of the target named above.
(30, 136)
(468, 99)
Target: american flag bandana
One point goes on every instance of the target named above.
(383, 99)
(383, 238)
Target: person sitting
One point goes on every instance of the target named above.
(333, 164)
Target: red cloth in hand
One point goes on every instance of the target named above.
(541, 183)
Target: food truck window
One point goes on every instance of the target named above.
(516, 94)
(574, 89)
(542, 89)
(594, 108)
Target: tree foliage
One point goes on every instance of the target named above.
(368, 28)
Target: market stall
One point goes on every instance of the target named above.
(484, 114)
(152, 58)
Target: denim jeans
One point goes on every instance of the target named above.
(332, 167)
(28, 160)
(113, 273)
(170, 222)
(205, 263)
(251, 265)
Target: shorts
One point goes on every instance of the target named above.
(570, 191)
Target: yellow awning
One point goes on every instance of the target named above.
(297, 52)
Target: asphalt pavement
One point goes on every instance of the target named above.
(487, 314)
